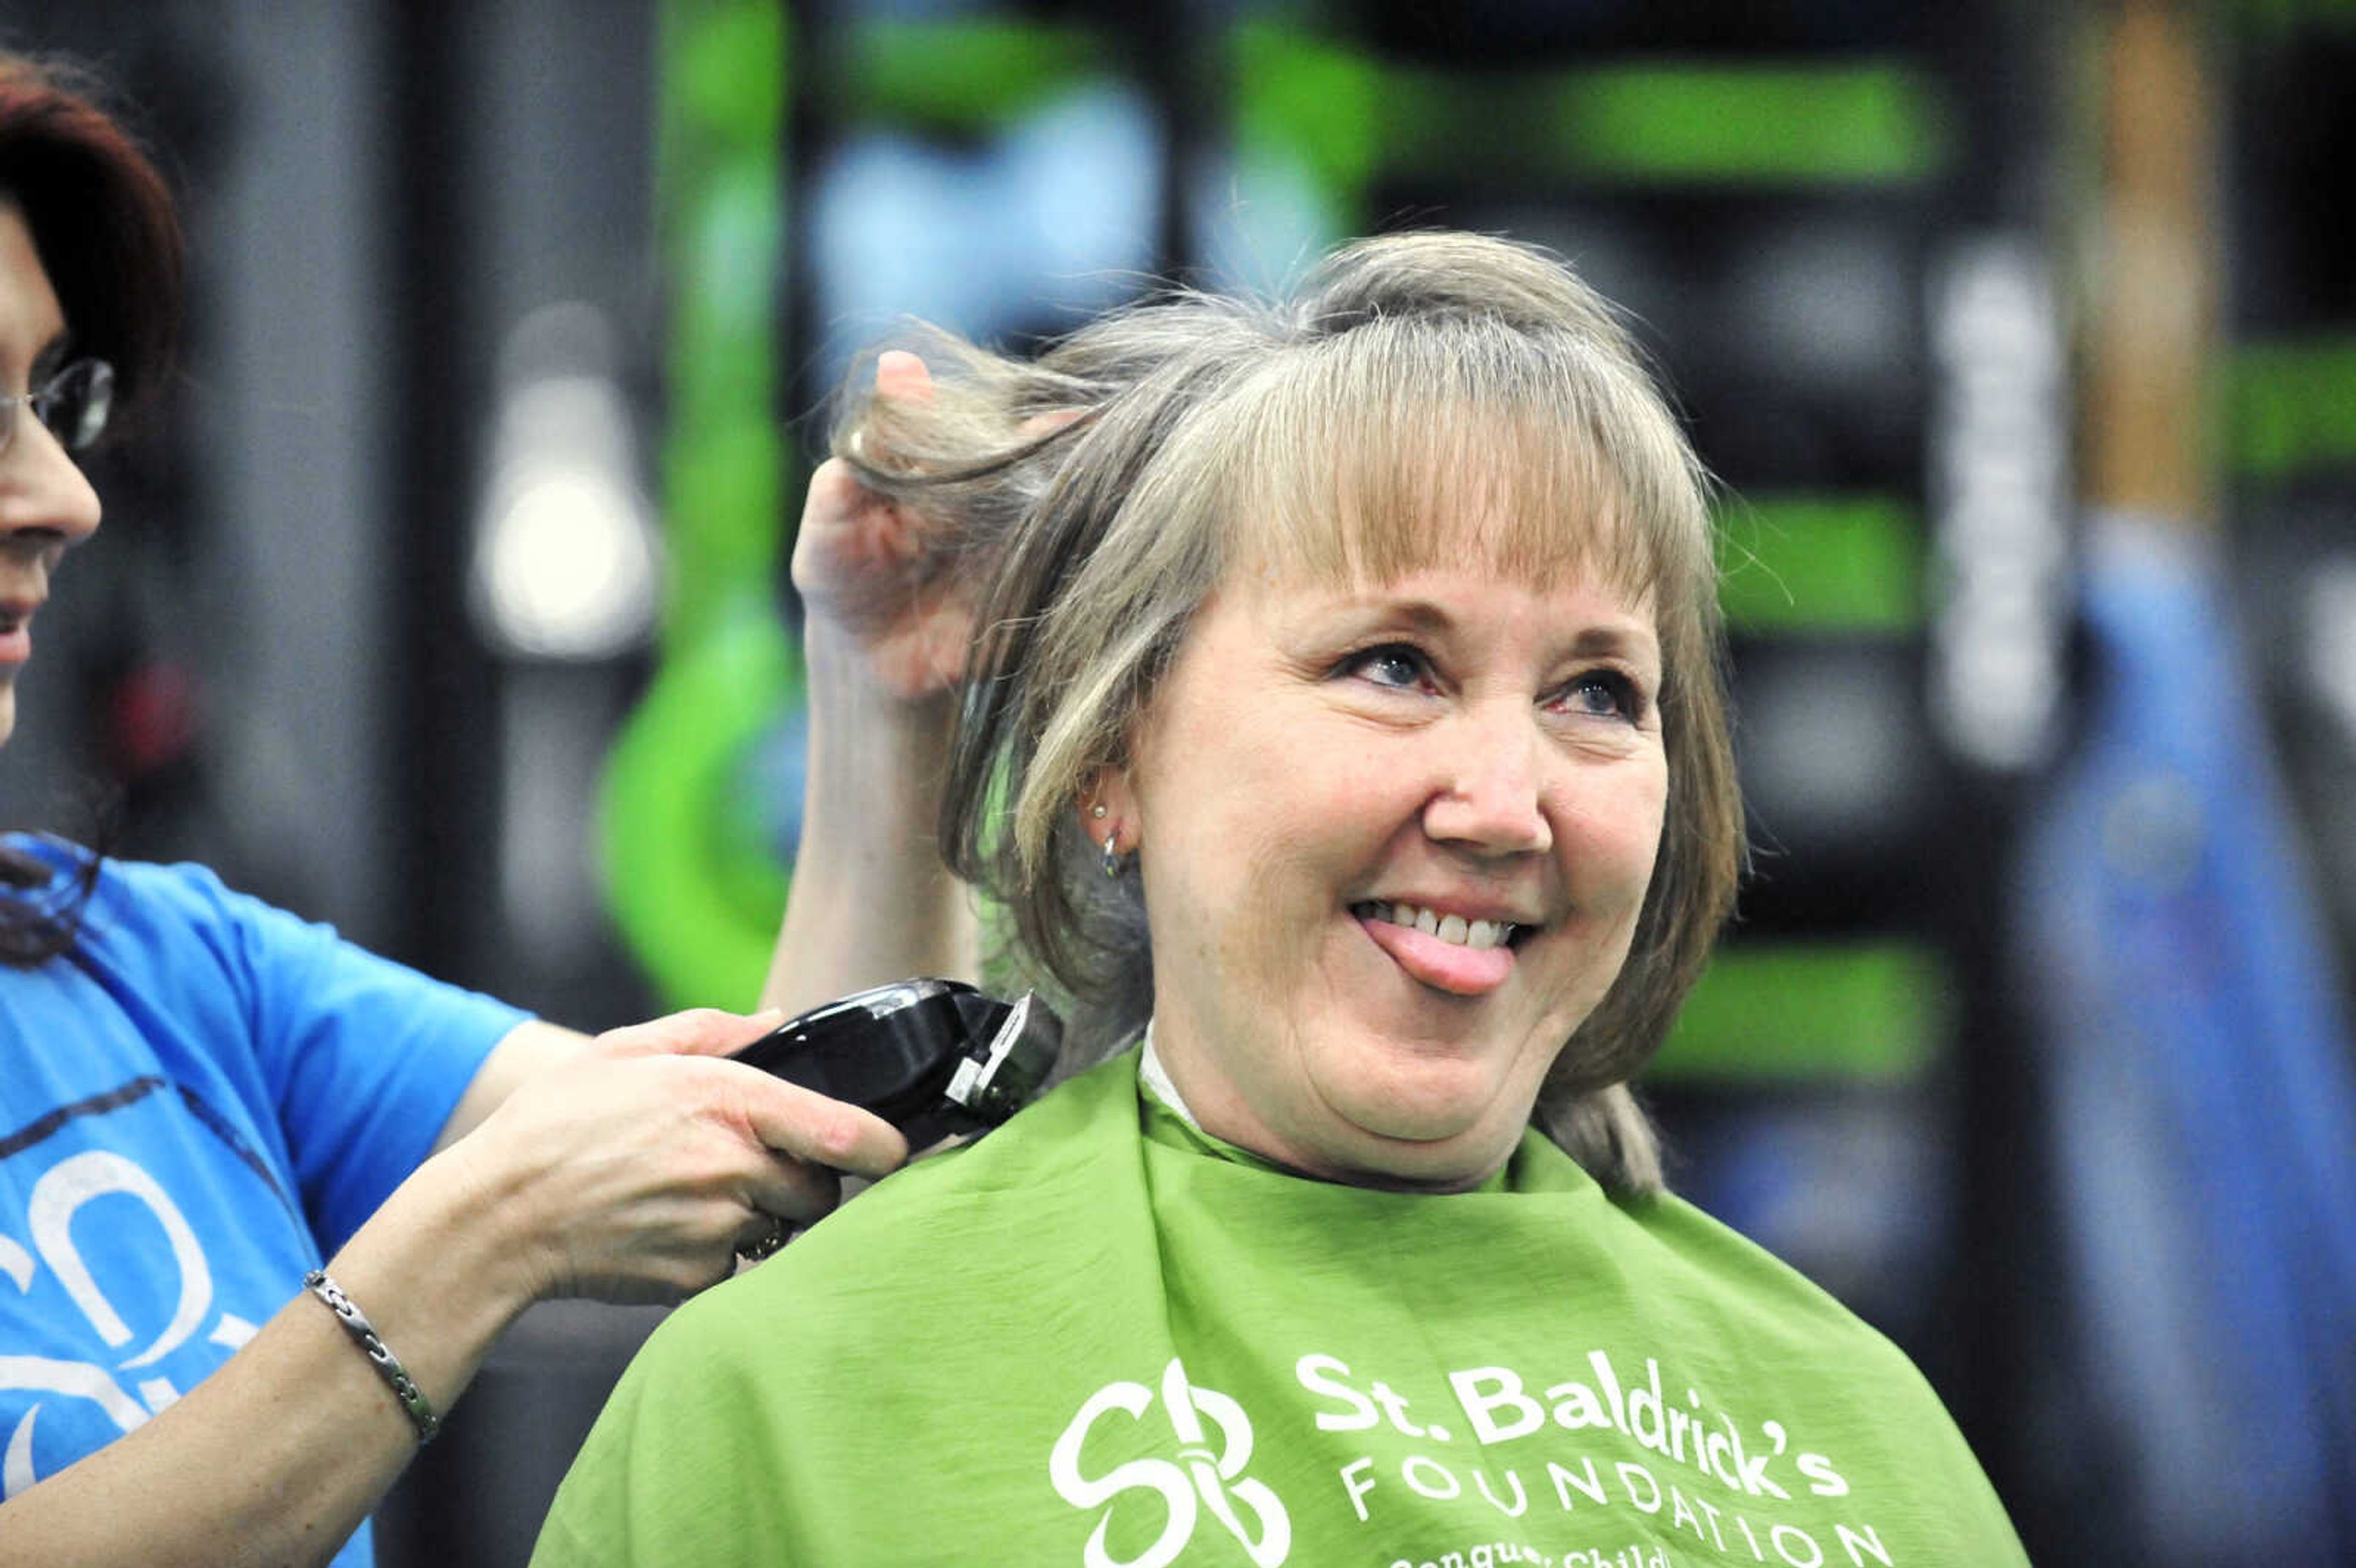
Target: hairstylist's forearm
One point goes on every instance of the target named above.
(870, 901)
(278, 1456)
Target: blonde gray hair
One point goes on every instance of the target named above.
(1419, 398)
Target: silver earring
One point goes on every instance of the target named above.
(1097, 811)
(1111, 854)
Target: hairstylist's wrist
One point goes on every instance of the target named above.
(443, 1267)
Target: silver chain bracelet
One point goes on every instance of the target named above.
(380, 1354)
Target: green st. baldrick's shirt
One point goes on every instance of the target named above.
(1098, 1338)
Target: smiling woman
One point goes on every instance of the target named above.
(1344, 742)
(1449, 742)
(1438, 400)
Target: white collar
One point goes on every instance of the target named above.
(1156, 1079)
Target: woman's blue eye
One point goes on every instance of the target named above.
(1392, 665)
(1602, 694)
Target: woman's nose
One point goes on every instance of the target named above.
(44, 494)
(1492, 799)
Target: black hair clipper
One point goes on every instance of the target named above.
(932, 1057)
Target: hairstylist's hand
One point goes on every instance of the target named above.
(633, 1171)
(864, 570)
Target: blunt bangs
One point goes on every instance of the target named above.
(1404, 445)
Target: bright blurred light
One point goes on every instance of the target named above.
(565, 555)
(567, 569)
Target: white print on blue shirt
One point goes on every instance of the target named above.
(123, 1377)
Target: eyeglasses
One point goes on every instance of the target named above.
(73, 405)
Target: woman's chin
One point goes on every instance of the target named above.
(1429, 1141)
(1444, 1165)
(1418, 1124)
(1420, 1099)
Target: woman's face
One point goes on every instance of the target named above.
(45, 505)
(1394, 842)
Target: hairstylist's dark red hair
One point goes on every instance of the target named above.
(99, 214)
(109, 238)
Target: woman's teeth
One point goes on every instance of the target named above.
(1455, 930)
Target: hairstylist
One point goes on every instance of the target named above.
(203, 1100)
(1344, 738)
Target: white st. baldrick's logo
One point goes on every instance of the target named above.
(1201, 1478)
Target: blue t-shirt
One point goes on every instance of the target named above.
(198, 1104)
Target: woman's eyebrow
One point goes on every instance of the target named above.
(1417, 614)
(1631, 640)
(1626, 642)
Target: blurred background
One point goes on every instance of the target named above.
(444, 599)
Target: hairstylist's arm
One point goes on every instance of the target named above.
(629, 1171)
(870, 900)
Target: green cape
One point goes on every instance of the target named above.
(1098, 1338)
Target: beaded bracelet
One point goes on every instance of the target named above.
(380, 1354)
